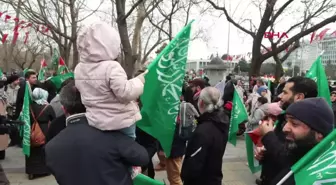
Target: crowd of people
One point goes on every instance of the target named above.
(91, 136)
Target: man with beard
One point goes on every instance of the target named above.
(302, 132)
(296, 89)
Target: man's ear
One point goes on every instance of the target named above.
(64, 110)
(318, 137)
(299, 96)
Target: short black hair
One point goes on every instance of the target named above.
(303, 85)
(70, 98)
(333, 92)
(262, 100)
(29, 73)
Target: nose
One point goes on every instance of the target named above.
(280, 95)
(286, 128)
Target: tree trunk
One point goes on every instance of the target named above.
(278, 71)
(255, 66)
(75, 55)
(129, 60)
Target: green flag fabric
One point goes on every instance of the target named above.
(317, 73)
(163, 88)
(252, 162)
(1, 73)
(144, 180)
(55, 59)
(59, 79)
(238, 115)
(25, 118)
(43, 69)
(317, 167)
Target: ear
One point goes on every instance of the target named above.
(64, 110)
(299, 96)
(318, 137)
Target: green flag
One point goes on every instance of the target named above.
(317, 73)
(163, 88)
(269, 85)
(25, 118)
(54, 59)
(238, 115)
(318, 166)
(1, 73)
(59, 79)
(252, 162)
(144, 180)
(43, 68)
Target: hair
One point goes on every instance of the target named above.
(260, 81)
(211, 99)
(228, 91)
(303, 85)
(262, 100)
(71, 100)
(29, 73)
(333, 92)
(198, 82)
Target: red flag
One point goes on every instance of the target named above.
(43, 63)
(7, 17)
(333, 34)
(29, 25)
(16, 28)
(322, 34)
(22, 22)
(255, 136)
(4, 38)
(312, 37)
(1, 13)
(26, 38)
(15, 37)
(16, 19)
(61, 62)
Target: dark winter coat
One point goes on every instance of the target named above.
(203, 159)
(82, 154)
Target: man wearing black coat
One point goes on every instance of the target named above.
(296, 89)
(31, 77)
(303, 131)
(82, 154)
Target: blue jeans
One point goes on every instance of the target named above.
(129, 131)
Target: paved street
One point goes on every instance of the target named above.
(235, 170)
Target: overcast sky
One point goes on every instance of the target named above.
(216, 27)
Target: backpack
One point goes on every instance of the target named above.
(188, 121)
(37, 138)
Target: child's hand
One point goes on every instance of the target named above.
(142, 76)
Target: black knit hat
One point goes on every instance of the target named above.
(315, 113)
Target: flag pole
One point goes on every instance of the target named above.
(285, 178)
(322, 53)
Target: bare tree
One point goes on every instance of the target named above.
(25, 55)
(270, 13)
(61, 17)
(132, 52)
(170, 16)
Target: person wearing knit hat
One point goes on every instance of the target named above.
(321, 120)
(308, 122)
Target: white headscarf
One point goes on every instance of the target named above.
(40, 96)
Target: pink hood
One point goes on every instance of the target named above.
(274, 109)
(105, 90)
(98, 42)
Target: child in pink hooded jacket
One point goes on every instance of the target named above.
(109, 97)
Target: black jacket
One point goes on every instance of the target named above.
(55, 127)
(203, 160)
(275, 159)
(334, 110)
(84, 155)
